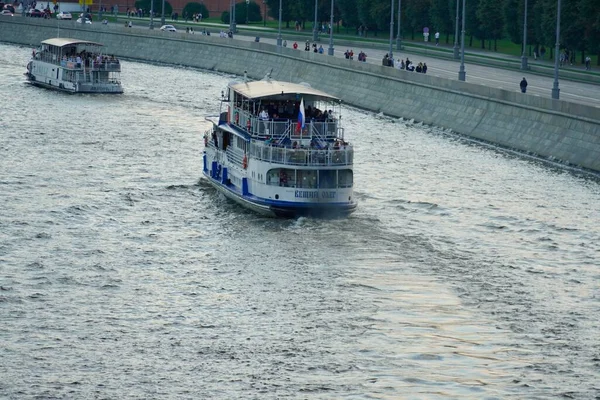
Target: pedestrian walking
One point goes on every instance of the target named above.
(437, 38)
(523, 85)
(588, 62)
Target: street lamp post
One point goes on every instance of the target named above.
(247, 5)
(330, 50)
(392, 30)
(231, 15)
(524, 56)
(456, 32)
(162, 15)
(265, 12)
(279, 41)
(234, 23)
(555, 89)
(315, 29)
(398, 39)
(152, 14)
(462, 74)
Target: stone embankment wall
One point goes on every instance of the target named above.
(554, 129)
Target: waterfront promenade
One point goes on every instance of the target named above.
(581, 87)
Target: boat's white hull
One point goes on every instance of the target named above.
(48, 76)
(276, 200)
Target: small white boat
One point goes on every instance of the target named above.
(74, 66)
(279, 149)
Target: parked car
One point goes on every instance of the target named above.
(6, 12)
(84, 21)
(169, 28)
(9, 7)
(34, 13)
(64, 15)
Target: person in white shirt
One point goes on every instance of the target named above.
(264, 116)
(437, 38)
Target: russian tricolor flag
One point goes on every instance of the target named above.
(301, 117)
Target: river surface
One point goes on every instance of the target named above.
(466, 272)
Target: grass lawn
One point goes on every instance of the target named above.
(504, 46)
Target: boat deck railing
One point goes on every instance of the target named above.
(282, 128)
(110, 65)
(338, 155)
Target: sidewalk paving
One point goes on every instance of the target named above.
(482, 67)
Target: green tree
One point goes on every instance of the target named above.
(250, 10)
(286, 11)
(195, 8)
(417, 16)
(511, 16)
(225, 17)
(572, 31)
(442, 15)
(146, 5)
(589, 19)
(491, 20)
(348, 13)
(365, 17)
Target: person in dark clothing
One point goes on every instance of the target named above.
(523, 85)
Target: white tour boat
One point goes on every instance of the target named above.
(74, 66)
(279, 149)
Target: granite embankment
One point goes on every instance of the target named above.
(553, 129)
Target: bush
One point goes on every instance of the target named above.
(253, 10)
(146, 5)
(195, 8)
(225, 17)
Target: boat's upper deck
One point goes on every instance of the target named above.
(76, 54)
(283, 113)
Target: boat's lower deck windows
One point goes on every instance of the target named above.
(310, 179)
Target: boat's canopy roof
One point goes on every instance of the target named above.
(231, 129)
(270, 88)
(62, 42)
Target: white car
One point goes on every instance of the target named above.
(84, 21)
(169, 28)
(6, 12)
(64, 15)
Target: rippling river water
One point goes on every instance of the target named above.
(467, 272)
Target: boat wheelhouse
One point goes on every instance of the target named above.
(279, 149)
(74, 66)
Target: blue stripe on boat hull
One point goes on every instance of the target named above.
(283, 208)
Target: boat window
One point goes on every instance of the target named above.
(240, 143)
(307, 179)
(345, 178)
(327, 179)
(281, 177)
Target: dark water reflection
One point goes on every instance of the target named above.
(466, 272)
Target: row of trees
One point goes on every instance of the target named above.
(487, 21)
(189, 10)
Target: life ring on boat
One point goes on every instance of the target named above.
(237, 118)
(248, 125)
(245, 162)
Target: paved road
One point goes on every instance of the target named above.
(494, 77)
(586, 93)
